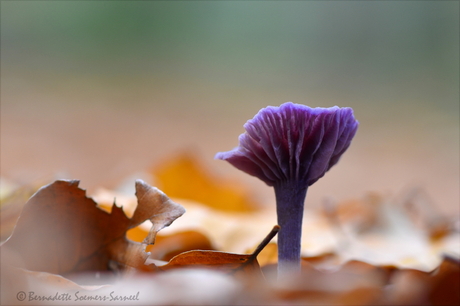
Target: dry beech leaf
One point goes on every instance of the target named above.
(445, 283)
(227, 262)
(236, 264)
(183, 177)
(155, 206)
(62, 231)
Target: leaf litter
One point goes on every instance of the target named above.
(378, 250)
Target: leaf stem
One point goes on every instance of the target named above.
(266, 241)
(290, 199)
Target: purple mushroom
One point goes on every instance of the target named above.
(290, 147)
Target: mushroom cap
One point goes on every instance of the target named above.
(293, 143)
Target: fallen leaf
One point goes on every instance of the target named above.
(445, 283)
(230, 263)
(183, 177)
(62, 231)
(155, 206)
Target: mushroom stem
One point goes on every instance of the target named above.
(290, 199)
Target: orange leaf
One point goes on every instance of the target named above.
(183, 177)
(242, 264)
(228, 262)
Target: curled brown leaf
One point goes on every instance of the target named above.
(61, 230)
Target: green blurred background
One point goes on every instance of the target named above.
(100, 90)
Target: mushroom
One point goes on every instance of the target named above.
(290, 147)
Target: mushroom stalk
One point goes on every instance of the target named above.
(289, 206)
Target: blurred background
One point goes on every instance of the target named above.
(104, 90)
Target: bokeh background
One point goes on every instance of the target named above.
(104, 90)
